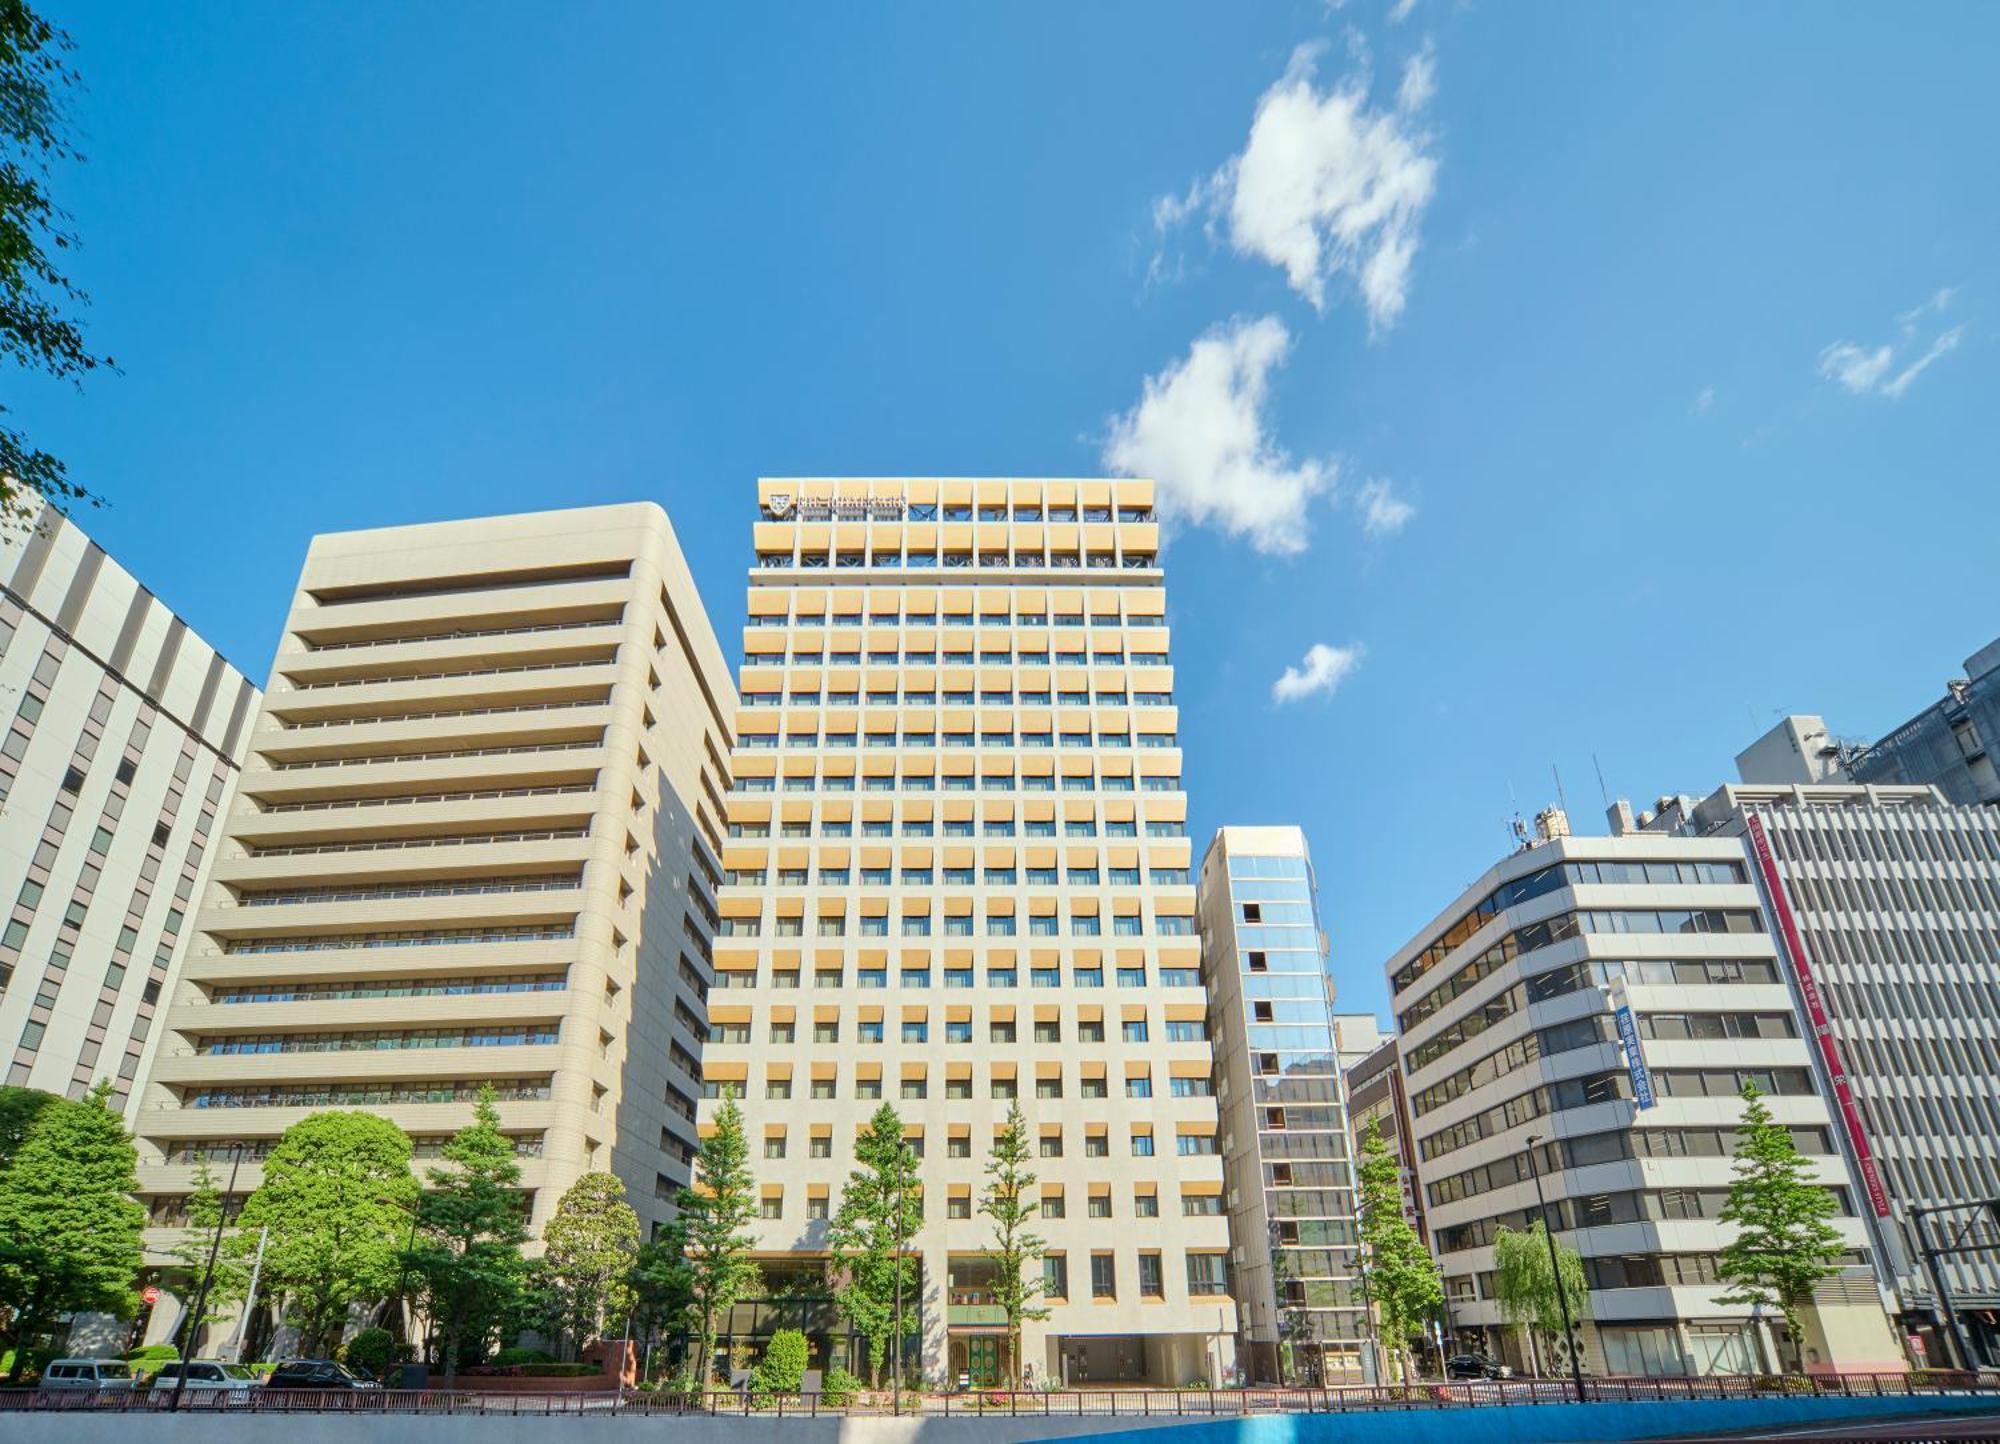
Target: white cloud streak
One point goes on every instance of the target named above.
(1200, 431)
(1383, 513)
(1885, 370)
(1326, 187)
(1322, 671)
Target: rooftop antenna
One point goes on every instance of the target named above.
(1562, 800)
(1602, 790)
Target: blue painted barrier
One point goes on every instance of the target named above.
(1564, 1423)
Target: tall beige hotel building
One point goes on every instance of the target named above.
(475, 844)
(958, 877)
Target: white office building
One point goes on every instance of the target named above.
(1513, 1066)
(125, 732)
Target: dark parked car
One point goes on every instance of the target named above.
(316, 1374)
(1475, 1366)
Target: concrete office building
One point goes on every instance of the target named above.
(1287, 1160)
(1375, 1095)
(1509, 1045)
(475, 845)
(125, 733)
(959, 877)
(1888, 908)
(1949, 745)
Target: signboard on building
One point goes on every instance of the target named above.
(783, 506)
(1635, 1055)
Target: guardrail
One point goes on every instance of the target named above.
(1128, 1403)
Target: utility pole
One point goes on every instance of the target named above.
(1555, 1267)
(242, 1335)
(207, 1279)
(1918, 1216)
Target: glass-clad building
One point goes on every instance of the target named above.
(1286, 1163)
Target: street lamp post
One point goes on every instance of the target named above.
(207, 1280)
(1555, 1267)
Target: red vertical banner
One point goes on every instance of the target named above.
(1816, 1014)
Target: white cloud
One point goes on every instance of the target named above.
(1885, 370)
(1383, 513)
(1704, 400)
(1400, 11)
(1200, 431)
(1895, 388)
(1858, 370)
(1326, 186)
(1419, 85)
(1323, 670)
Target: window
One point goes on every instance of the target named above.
(774, 1146)
(958, 1146)
(1133, 1030)
(1189, 1145)
(1150, 1285)
(916, 1030)
(1201, 1205)
(1096, 1145)
(1206, 1275)
(771, 1206)
(1051, 1145)
(1104, 1276)
(1055, 1273)
(1146, 1205)
(816, 1207)
(1139, 1085)
(1142, 1145)
(819, 1146)
(958, 1206)
(869, 1032)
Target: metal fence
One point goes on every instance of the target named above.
(1167, 1403)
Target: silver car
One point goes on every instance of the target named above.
(92, 1374)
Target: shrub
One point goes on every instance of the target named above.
(783, 1367)
(506, 1358)
(837, 1388)
(374, 1352)
(557, 1371)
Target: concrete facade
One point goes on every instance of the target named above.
(125, 733)
(1509, 1043)
(1287, 1156)
(1894, 893)
(476, 843)
(959, 877)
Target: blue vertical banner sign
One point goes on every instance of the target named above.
(1628, 1038)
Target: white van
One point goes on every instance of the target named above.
(87, 1374)
(206, 1376)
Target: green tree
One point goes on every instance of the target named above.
(1525, 1287)
(714, 1230)
(662, 1293)
(783, 1368)
(878, 1215)
(589, 1245)
(1405, 1285)
(1784, 1245)
(472, 1230)
(19, 1108)
(190, 1251)
(337, 1197)
(1008, 1199)
(35, 290)
(69, 1227)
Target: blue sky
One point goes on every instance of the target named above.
(1582, 381)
